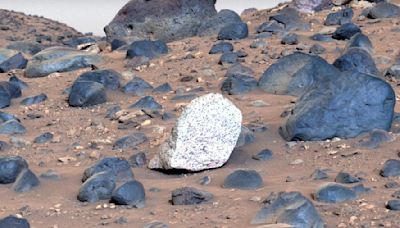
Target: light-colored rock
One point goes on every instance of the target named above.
(203, 137)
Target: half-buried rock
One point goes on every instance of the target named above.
(59, 59)
(203, 137)
(243, 179)
(86, 93)
(344, 107)
(295, 74)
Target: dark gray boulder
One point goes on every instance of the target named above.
(17, 61)
(295, 74)
(87, 93)
(163, 88)
(130, 193)
(43, 138)
(357, 59)
(130, 141)
(14, 222)
(146, 48)
(12, 90)
(10, 168)
(243, 179)
(25, 181)
(384, 10)
(391, 168)
(59, 59)
(11, 127)
(190, 196)
(290, 39)
(159, 20)
(234, 31)
(339, 18)
(360, 41)
(346, 31)
(214, 24)
(109, 78)
(118, 167)
(98, 187)
(290, 208)
(334, 193)
(393, 205)
(344, 107)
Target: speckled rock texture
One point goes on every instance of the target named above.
(203, 137)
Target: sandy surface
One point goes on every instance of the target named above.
(54, 203)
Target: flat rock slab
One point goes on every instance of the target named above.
(59, 59)
(204, 136)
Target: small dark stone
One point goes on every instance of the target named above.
(317, 49)
(229, 58)
(146, 102)
(321, 37)
(87, 93)
(392, 184)
(190, 196)
(167, 116)
(75, 41)
(391, 168)
(34, 99)
(334, 193)
(164, 88)
(43, 138)
(243, 179)
(130, 141)
(10, 168)
(147, 48)
(98, 187)
(221, 47)
(290, 39)
(13, 90)
(138, 160)
(130, 193)
(246, 137)
(346, 31)
(271, 27)
(50, 175)
(234, 31)
(118, 167)
(121, 220)
(346, 178)
(14, 222)
(26, 181)
(18, 82)
(4, 146)
(156, 225)
(319, 175)
(205, 180)
(111, 112)
(154, 189)
(137, 86)
(396, 194)
(258, 44)
(393, 205)
(108, 78)
(263, 155)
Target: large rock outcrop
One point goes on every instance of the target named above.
(159, 19)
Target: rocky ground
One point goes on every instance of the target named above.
(78, 137)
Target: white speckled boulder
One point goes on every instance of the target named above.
(204, 136)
